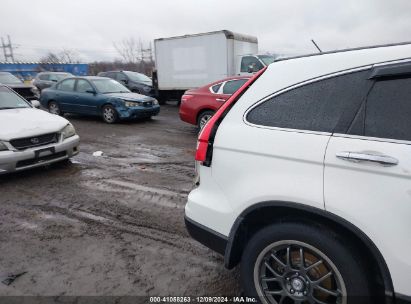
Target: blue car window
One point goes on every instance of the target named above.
(67, 85)
(83, 86)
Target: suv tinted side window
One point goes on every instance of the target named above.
(317, 106)
(388, 110)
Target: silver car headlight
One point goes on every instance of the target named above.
(155, 102)
(146, 89)
(68, 131)
(3, 146)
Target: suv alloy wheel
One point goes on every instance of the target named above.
(299, 263)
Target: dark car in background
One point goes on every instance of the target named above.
(27, 91)
(199, 105)
(135, 82)
(45, 80)
(98, 96)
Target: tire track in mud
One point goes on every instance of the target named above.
(110, 223)
(140, 194)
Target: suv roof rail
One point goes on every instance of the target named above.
(346, 50)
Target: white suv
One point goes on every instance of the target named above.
(305, 179)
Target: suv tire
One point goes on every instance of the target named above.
(265, 258)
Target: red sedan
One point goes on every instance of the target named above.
(199, 105)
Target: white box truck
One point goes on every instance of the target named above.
(191, 61)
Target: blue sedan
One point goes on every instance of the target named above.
(99, 96)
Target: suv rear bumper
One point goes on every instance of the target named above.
(212, 239)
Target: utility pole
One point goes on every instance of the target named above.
(7, 49)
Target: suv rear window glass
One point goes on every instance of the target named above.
(317, 106)
(388, 110)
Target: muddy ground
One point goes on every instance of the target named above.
(110, 225)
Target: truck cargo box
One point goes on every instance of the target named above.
(192, 61)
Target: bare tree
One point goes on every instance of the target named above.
(69, 56)
(129, 50)
(65, 56)
(50, 58)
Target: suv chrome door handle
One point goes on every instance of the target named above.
(364, 157)
(220, 99)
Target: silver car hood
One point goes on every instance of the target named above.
(26, 122)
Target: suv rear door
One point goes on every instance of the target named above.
(367, 178)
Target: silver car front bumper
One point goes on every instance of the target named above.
(11, 161)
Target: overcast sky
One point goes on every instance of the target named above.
(91, 26)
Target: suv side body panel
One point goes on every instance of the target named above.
(252, 164)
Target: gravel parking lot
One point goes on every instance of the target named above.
(110, 225)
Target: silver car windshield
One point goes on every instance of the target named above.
(10, 100)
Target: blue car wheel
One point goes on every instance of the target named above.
(54, 108)
(110, 114)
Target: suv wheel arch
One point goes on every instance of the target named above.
(263, 214)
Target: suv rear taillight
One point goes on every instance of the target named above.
(206, 138)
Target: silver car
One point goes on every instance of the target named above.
(30, 137)
(45, 80)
